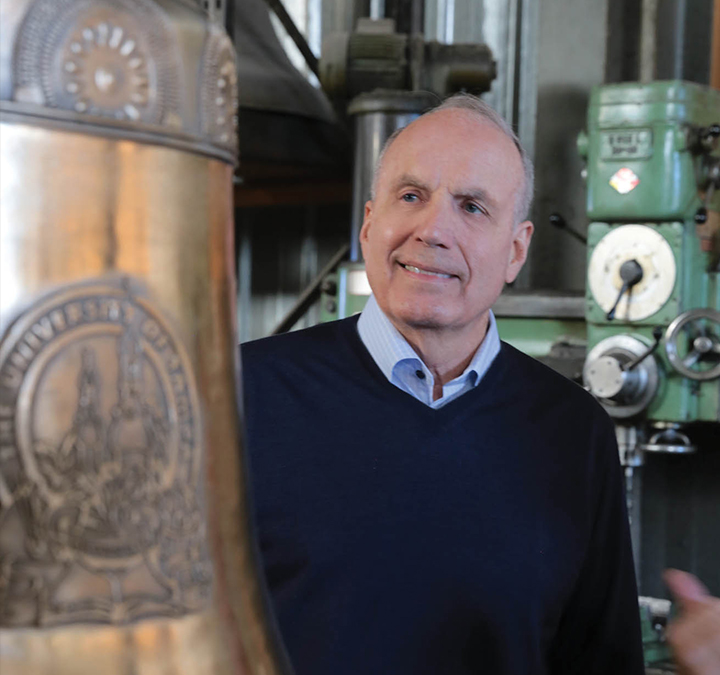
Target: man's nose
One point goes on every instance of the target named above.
(436, 224)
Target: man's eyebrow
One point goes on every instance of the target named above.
(476, 195)
(408, 180)
(472, 194)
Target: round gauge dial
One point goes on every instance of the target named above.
(652, 252)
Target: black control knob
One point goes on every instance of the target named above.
(701, 215)
(713, 131)
(707, 138)
(329, 287)
(631, 273)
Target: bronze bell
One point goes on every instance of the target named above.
(125, 543)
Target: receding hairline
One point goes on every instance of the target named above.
(483, 112)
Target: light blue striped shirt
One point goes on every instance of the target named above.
(404, 368)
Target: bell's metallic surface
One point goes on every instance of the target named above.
(125, 540)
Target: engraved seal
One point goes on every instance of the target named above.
(100, 463)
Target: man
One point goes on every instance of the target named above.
(428, 499)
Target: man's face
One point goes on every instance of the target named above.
(439, 239)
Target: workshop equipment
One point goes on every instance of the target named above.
(653, 298)
(376, 56)
(125, 544)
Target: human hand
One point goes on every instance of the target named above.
(695, 635)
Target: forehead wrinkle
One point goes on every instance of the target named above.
(502, 154)
(408, 180)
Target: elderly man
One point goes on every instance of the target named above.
(429, 500)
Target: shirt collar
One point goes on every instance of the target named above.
(389, 348)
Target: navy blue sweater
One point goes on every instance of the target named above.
(488, 536)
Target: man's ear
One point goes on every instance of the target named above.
(519, 250)
(367, 219)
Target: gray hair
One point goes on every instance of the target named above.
(524, 196)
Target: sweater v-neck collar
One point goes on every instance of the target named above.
(402, 366)
(451, 409)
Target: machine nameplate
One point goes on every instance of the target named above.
(623, 145)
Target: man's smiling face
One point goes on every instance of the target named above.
(439, 239)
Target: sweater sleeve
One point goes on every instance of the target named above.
(599, 632)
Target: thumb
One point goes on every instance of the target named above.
(686, 588)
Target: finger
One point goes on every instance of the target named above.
(685, 588)
(695, 640)
(699, 627)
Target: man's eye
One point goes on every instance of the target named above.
(409, 197)
(471, 207)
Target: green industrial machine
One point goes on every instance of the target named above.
(653, 295)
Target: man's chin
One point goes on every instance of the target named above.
(423, 319)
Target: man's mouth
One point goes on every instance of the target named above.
(430, 273)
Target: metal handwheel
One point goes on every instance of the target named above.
(692, 344)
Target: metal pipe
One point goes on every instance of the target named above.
(648, 41)
(633, 497)
(715, 48)
(632, 458)
(377, 9)
(679, 39)
(416, 17)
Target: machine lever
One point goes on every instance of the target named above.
(631, 273)
(657, 336)
(559, 221)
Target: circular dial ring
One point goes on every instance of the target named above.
(652, 252)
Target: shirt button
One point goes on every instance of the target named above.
(420, 374)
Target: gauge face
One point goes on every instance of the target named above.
(654, 255)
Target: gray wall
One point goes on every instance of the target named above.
(570, 60)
